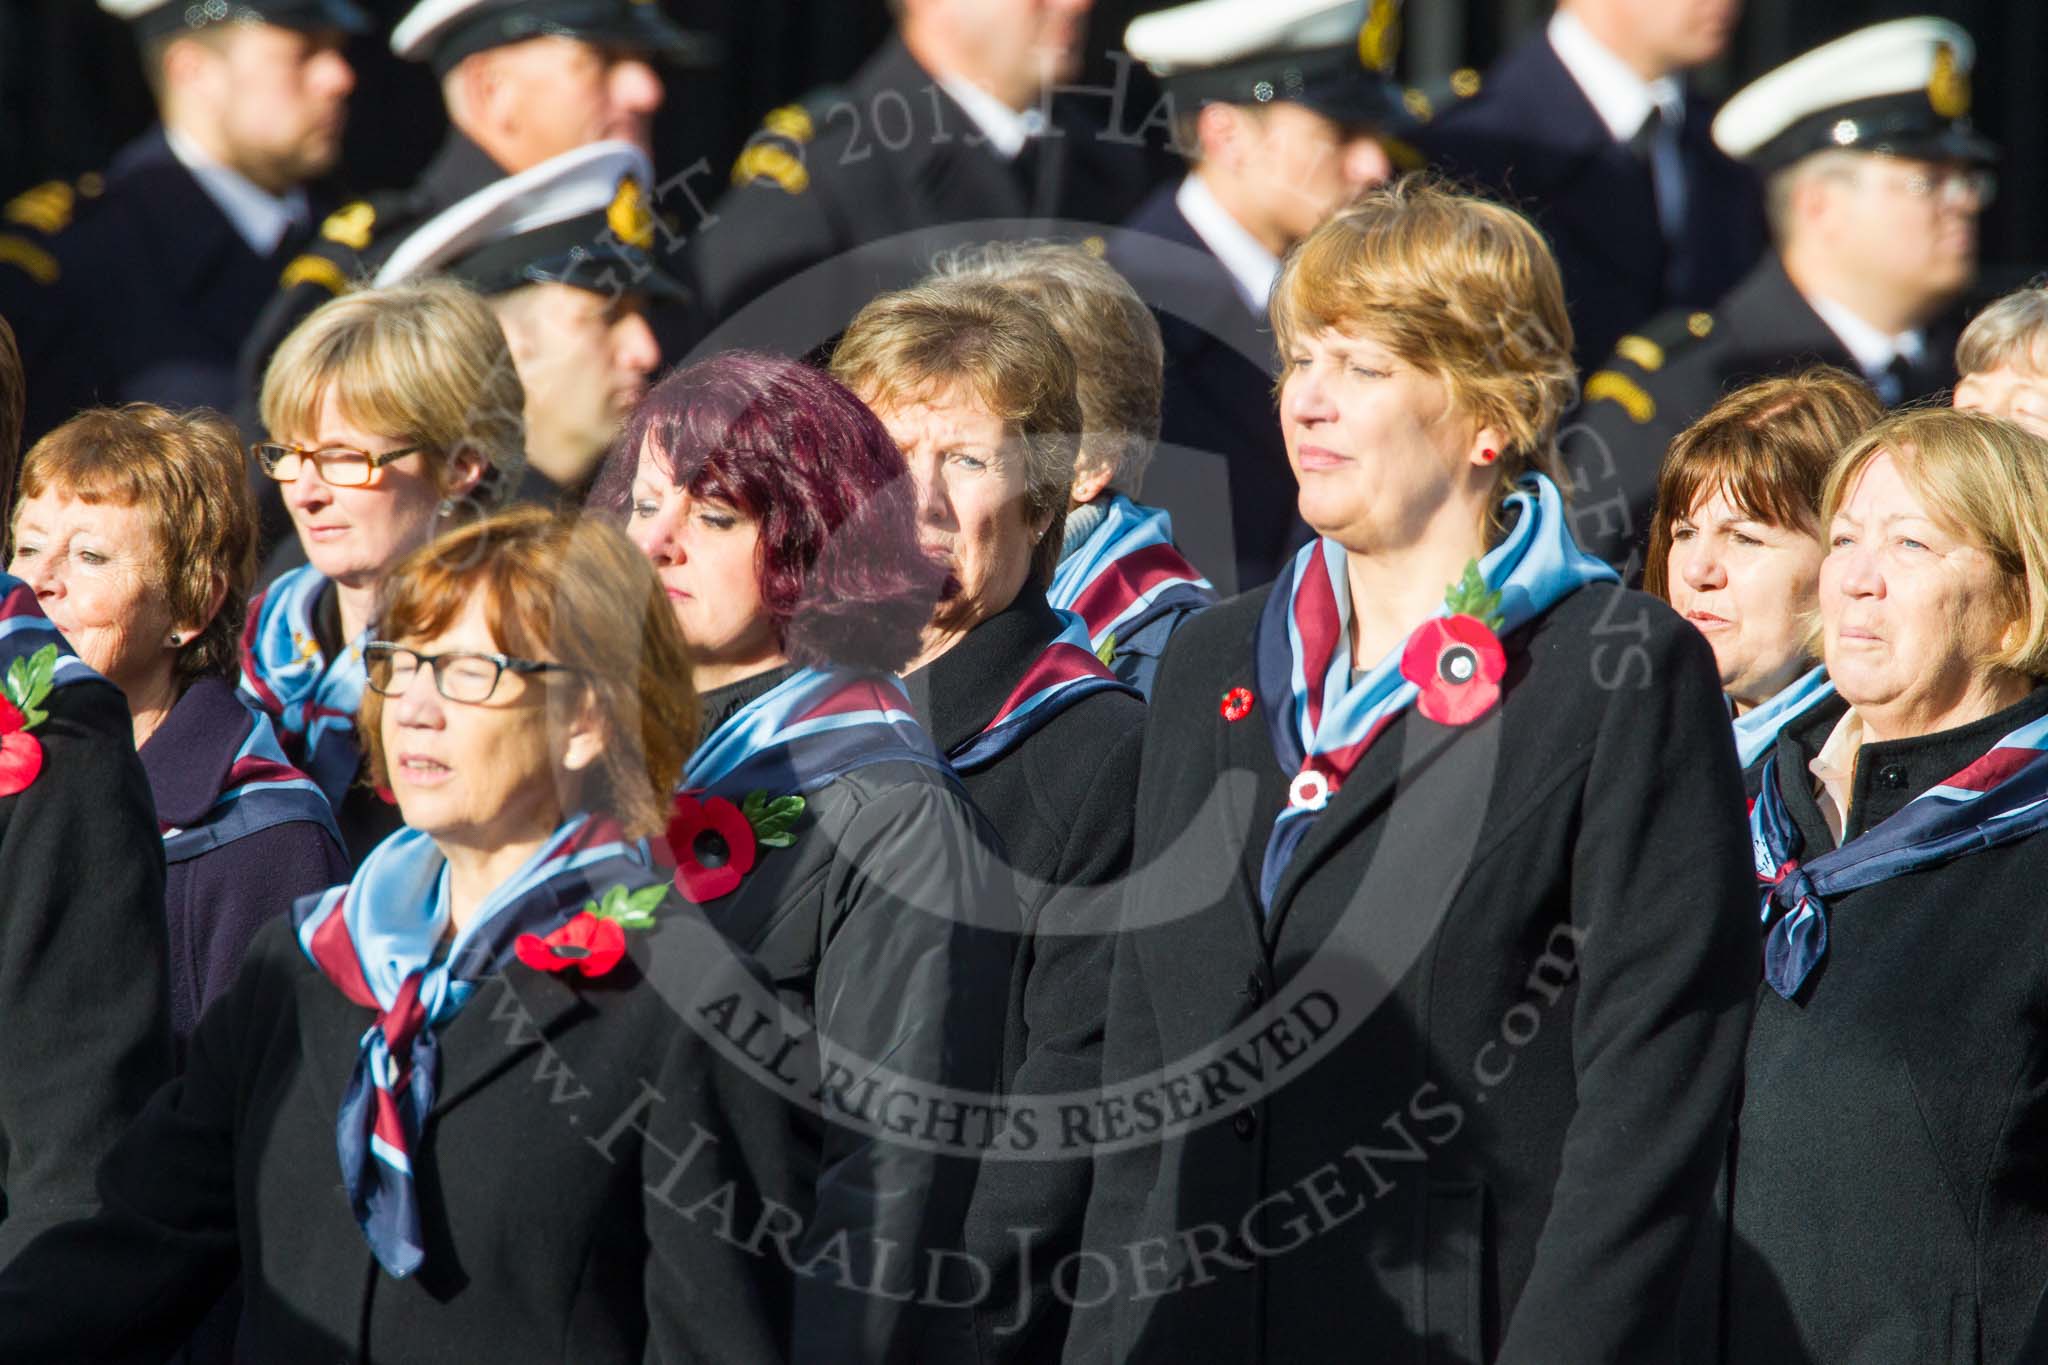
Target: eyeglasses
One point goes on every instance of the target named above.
(1950, 184)
(459, 675)
(338, 465)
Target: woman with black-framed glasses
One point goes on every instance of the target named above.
(386, 409)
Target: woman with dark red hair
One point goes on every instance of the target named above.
(817, 825)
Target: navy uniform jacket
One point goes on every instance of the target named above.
(1217, 397)
(891, 153)
(144, 294)
(1532, 137)
(1663, 378)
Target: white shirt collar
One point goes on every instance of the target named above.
(260, 218)
(1006, 129)
(1618, 95)
(1872, 349)
(1252, 268)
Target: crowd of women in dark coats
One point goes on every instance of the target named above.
(850, 891)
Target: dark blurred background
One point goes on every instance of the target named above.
(71, 91)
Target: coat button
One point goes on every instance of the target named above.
(1893, 776)
(1254, 988)
(1244, 1123)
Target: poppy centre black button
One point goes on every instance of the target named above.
(1244, 1123)
(1892, 777)
(1255, 988)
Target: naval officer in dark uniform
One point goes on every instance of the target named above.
(139, 284)
(1285, 116)
(522, 82)
(1874, 181)
(952, 122)
(1591, 128)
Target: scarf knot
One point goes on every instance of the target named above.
(312, 699)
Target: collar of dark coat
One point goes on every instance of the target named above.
(189, 255)
(459, 169)
(1888, 774)
(188, 758)
(960, 691)
(1197, 298)
(943, 161)
(721, 703)
(1767, 316)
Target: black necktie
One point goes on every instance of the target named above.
(1897, 384)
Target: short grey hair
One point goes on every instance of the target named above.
(2011, 331)
(1119, 357)
(1829, 163)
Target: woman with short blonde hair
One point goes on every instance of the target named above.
(388, 410)
(2002, 358)
(1900, 853)
(1735, 546)
(1449, 748)
(135, 527)
(1119, 570)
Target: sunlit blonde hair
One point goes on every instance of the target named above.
(945, 335)
(1986, 480)
(1462, 289)
(423, 362)
(2013, 330)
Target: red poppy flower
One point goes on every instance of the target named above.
(1237, 703)
(591, 945)
(713, 845)
(21, 753)
(1458, 664)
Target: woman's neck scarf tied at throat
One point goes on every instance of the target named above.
(1320, 719)
(378, 939)
(312, 699)
(812, 727)
(1757, 729)
(1126, 572)
(2000, 798)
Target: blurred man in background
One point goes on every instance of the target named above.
(1591, 128)
(1285, 115)
(139, 285)
(1875, 179)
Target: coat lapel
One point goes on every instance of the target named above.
(506, 1022)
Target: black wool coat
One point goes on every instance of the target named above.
(1063, 802)
(1891, 1155)
(590, 1179)
(84, 1014)
(890, 928)
(1462, 1095)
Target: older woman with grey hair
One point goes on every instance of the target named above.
(2003, 359)
(1119, 569)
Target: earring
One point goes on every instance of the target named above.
(176, 639)
(1489, 455)
(446, 508)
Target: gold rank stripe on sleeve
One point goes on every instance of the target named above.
(37, 263)
(47, 208)
(1641, 352)
(312, 269)
(1616, 387)
(766, 161)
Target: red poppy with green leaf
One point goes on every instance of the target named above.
(715, 843)
(593, 941)
(26, 685)
(1456, 661)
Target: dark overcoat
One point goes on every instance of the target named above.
(891, 152)
(889, 927)
(1532, 137)
(1890, 1171)
(142, 292)
(1463, 1093)
(590, 1176)
(1062, 801)
(84, 1032)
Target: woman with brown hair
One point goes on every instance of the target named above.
(465, 1105)
(1735, 547)
(1411, 1052)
